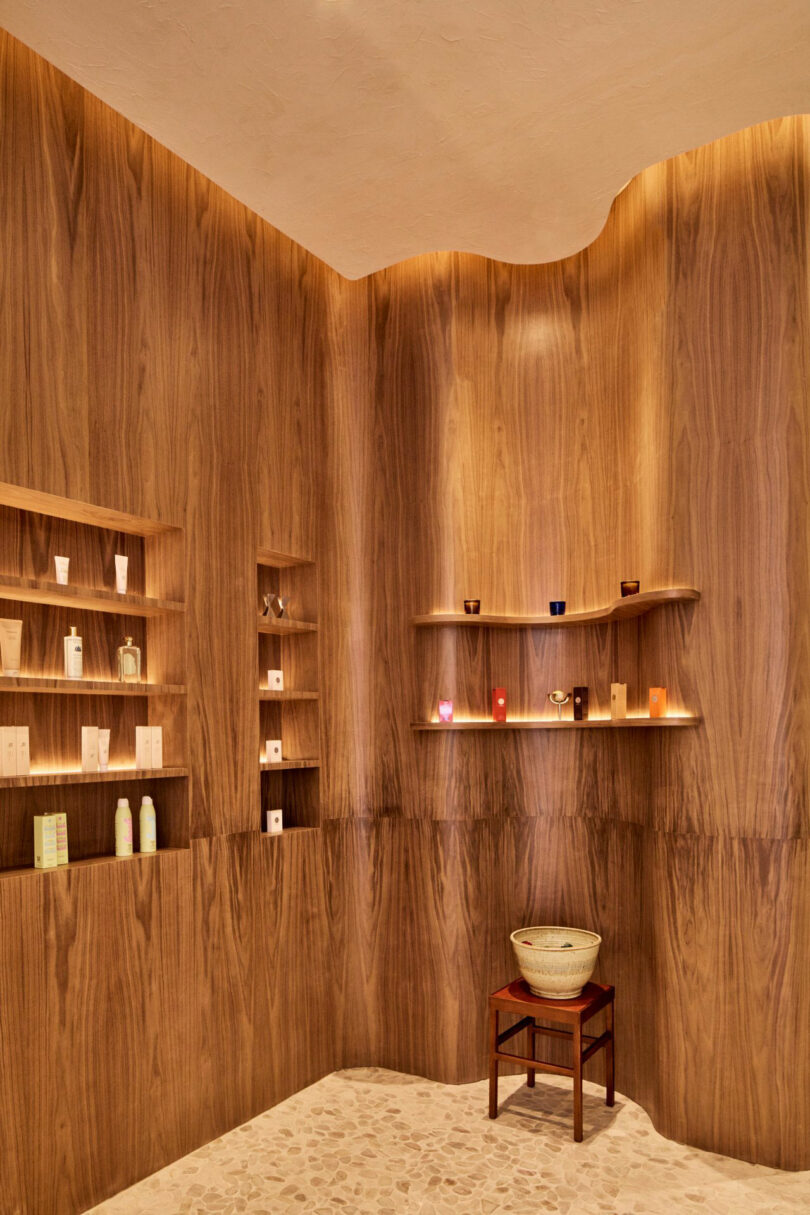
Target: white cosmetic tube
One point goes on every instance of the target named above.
(10, 637)
(62, 564)
(103, 750)
(121, 564)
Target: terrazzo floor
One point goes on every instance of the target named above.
(369, 1140)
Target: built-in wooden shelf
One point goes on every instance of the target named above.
(22, 498)
(280, 561)
(279, 835)
(267, 694)
(287, 765)
(620, 609)
(89, 778)
(87, 687)
(40, 590)
(627, 723)
(282, 627)
(91, 860)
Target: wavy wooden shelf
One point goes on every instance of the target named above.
(22, 498)
(87, 687)
(620, 609)
(283, 627)
(85, 861)
(266, 694)
(287, 765)
(279, 835)
(280, 561)
(39, 590)
(89, 778)
(627, 723)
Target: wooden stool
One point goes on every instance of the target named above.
(517, 998)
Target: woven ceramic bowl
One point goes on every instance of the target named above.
(556, 962)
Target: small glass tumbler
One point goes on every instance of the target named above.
(472, 607)
(630, 588)
(557, 607)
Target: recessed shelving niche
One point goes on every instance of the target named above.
(35, 527)
(289, 644)
(470, 654)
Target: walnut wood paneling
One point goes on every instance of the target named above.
(526, 433)
(159, 355)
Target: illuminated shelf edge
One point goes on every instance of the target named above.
(565, 724)
(627, 608)
(85, 862)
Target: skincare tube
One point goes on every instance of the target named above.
(103, 750)
(121, 564)
(61, 564)
(10, 637)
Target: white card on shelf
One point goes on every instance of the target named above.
(23, 751)
(275, 681)
(8, 750)
(157, 746)
(89, 748)
(143, 746)
(274, 821)
(272, 750)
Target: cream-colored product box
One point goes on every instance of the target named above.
(274, 822)
(61, 837)
(272, 750)
(45, 851)
(157, 746)
(275, 681)
(618, 701)
(143, 746)
(23, 751)
(89, 748)
(8, 750)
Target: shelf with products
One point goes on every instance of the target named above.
(505, 651)
(553, 724)
(88, 861)
(77, 777)
(288, 696)
(57, 686)
(626, 608)
(125, 580)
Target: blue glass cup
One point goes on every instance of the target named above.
(557, 607)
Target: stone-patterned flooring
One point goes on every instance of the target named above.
(375, 1141)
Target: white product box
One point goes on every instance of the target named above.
(157, 746)
(89, 748)
(143, 746)
(8, 750)
(275, 681)
(272, 750)
(23, 751)
(274, 822)
(618, 701)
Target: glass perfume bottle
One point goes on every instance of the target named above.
(129, 662)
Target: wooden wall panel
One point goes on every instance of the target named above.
(527, 433)
(159, 354)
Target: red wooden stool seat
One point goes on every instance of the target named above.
(517, 998)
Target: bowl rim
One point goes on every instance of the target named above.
(595, 937)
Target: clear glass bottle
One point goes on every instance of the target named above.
(129, 662)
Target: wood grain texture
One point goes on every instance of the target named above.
(450, 427)
(522, 434)
(161, 357)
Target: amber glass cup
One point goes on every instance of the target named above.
(472, 606)
(630, 588)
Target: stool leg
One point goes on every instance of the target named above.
(610, 1092)
(530, 1070)
(493, 1063)
(577, 1041)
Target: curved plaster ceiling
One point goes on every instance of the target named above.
(370, 131)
